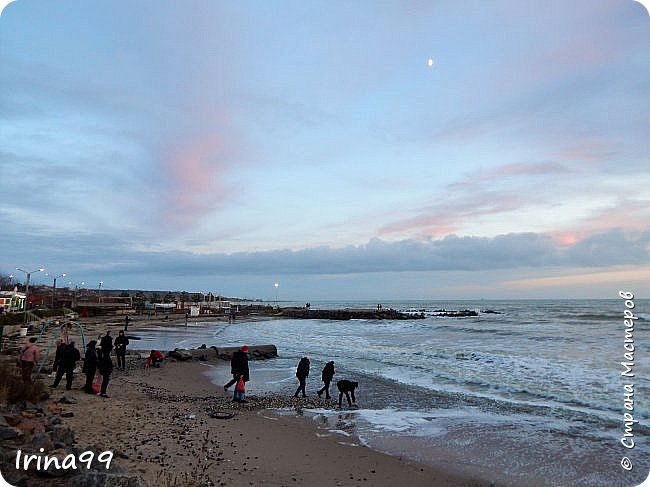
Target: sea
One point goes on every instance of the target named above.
(525, 393)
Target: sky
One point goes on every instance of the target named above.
(367, 150)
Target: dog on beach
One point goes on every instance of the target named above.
(347, 387)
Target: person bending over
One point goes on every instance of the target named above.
(347, 387)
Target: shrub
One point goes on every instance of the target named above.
(14, 390)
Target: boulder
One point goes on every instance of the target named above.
(181, 354)
(255, 352)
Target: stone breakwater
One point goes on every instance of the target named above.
(207, 354)
(347, 314)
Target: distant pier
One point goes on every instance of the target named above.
(348, 314)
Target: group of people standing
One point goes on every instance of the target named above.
(97, 358)
(239, 370)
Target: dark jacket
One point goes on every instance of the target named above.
(69, 357)
(303, 367)
(328, 372)
(107, 344)
(90, 361)
(121, 342)
(105, 365)
(239, 364)
(58, 355)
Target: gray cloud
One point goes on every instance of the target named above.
(79, 255)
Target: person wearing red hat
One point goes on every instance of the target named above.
(238, 366)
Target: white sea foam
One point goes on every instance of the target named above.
(542, 368)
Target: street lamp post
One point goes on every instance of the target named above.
(276, 285)
(54, 287)
(100, 290)
(29, 275)
(74, 295)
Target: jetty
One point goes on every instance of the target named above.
(347, 314)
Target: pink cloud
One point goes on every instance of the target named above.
(449, 216)
(631, 216)
(193, 175)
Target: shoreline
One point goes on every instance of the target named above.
(157, 423)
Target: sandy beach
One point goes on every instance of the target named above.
(165, 426)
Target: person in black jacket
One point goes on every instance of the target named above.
(105, 366)
(90, 365)
(106, 344)
(59, 351)
(302, 373)
(121, 342)
(238, 366)
(327, 375)
(66, 363)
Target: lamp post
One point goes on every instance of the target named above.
(74, 296)
(99, 290)
(54, 287)
(276, 285)
(29, 275)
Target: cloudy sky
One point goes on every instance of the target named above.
(361, 150)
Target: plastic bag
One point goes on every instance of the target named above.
(241, 385)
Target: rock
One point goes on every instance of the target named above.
(257, 352)
(67, 414)
(12, 419)
(43, 441)
(33, 426)
(54, 408)
(180, 354)
(62, 433)
(104, 479)
(67, 400)
(10, 433)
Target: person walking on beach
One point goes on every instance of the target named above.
(28, 357)
(69, 358)
(238, 366)
(302, 372)
(90, 365)
(121, 342)
(327, 375)
(105, 366)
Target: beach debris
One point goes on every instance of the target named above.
(221, 414)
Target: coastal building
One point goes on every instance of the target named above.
(12, 300)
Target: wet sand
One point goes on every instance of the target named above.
(158, 423)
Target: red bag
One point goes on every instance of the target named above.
(241, 385)
(97, 383)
